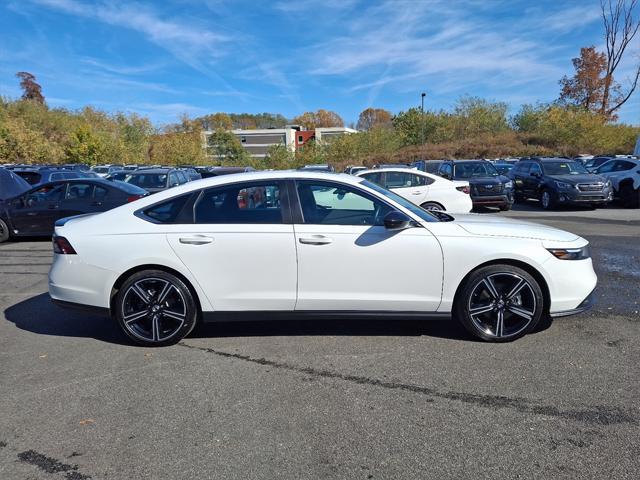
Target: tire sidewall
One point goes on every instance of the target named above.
(4, 231)
(190, 303)
(461, 302)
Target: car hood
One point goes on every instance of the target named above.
(484, 225)
(580, 178)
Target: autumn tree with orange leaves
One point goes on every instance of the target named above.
(374, 117)
(319, 119)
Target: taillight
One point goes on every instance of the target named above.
(62, 246)
(133, 198)
(464, 189)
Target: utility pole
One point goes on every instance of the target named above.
(422, 117)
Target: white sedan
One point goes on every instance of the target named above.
(277, 244)
(431, 192)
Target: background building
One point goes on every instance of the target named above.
(258, 141)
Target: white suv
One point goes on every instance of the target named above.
(431, 192)
(624, 174)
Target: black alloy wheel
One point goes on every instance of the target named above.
(155, 308)
(499, 303)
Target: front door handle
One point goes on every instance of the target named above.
(316, 240)
(417, 192)
(53, 207)
(196, 240)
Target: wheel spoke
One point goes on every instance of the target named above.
(141, 293)
(491, 287)
(176, 316)
(519, 286)
(135, 316)
(155, 327)
(499, 323)
(165, 291)
(520, 312)
(482, 309)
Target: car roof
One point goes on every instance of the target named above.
(151, 170)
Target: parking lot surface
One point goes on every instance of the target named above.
(326, 399)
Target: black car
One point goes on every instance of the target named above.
(34, 212)
(41, 175)
(488, 187)
(559, 181)
(155, 180)
(208, 172)
(428, 166)
(503, 168)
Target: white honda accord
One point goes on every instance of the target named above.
(276, 244)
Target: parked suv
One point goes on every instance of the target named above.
(488, 187)
(624, 174)
(428, 166)
(40, 175)
(559, 181)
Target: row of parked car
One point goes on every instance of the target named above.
(34, 197)
(553, 181)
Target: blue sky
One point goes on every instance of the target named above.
(165, 58)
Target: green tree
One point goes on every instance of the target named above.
(226, 148)
(84, 147)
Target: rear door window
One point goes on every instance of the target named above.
(255, 203)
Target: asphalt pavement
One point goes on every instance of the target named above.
(327, 399)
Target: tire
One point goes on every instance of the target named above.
(432, 206)
(547, 199)
(505, 208)
(4, 231)
(164, 321)
(630, 197)
(518, 198)
(499, 303)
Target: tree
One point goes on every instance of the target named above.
(31, 90)
(226, 147)
(620, 28)
(477, 116)
(85, 146)
(586, 87)
(373, 117)
(215, 121)
(319, 119)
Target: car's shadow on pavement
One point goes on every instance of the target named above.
(38, 315)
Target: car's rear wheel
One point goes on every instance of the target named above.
(4, 231)
(547, 200)
(432, 206)
(155, 308)
(499, 303)
(505, 208)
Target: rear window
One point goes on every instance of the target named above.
(148, 180)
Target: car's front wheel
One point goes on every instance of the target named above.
(547, 200)
(499, 303)
(155, 308)
(4, 231)
(432, 206)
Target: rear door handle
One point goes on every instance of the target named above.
(316, 240)
(53, 207)
(196, 240)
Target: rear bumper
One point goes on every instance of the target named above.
(586, 305)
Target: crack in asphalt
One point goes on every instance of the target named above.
(51, 465)
(598, 415)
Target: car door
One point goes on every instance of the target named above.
(348, 260)
(532, 181)
(35, 212)
(241, 247)
(77, 200)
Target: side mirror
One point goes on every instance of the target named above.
(396, 220)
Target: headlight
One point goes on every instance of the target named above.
(570, 253)
(563, 185)
(509, 184)
(608, 183)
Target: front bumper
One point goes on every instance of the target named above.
(495, 200)
(586, 305)
(578, 197)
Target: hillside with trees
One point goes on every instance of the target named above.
(583, 119)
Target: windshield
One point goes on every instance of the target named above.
(474, 169)
(148, 180)
(423, 214)
(563, 168)
(100, 169)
